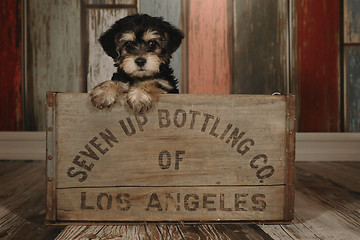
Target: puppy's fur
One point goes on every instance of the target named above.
(141, 47)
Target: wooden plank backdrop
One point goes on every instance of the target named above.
(109, 2)
(209, 46)
(352, 88)
(187, 144)
(351, 21)
(318, 65)
(53, 54)
(261, 47)
(10, 66)
(351, 65)
(100, 67)
(216, 43)
(218, 56)
(62, 55)
(171, 11)
(97, 17)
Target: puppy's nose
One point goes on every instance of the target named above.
(140, 61)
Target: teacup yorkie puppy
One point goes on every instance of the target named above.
(141, 47)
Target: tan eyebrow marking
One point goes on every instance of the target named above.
(127, 36)
(150, 34)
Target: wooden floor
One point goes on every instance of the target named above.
(327, 206)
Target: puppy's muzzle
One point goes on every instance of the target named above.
(140, 61)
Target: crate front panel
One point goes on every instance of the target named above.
(189, 203)
(235, 143)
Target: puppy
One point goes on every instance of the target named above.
(141, 47)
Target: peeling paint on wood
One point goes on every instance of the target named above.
(54, 50)
(261, 46)
(54, 55)
(171, 12)
(352, 85)
(209, 51)
(100, 66)
(318, 65)
(352, 21)
(10, 66)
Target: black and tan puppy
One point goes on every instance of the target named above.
(141, 47)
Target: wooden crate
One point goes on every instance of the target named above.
(193, 158)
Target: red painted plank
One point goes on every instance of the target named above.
(10, 65)
(208, 47)
(318, 65)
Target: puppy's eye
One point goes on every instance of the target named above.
(129, 44)
(153, 44)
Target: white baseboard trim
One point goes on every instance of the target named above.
(22, 145)
(309, 146)
(328, 147)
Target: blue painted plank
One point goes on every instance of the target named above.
(171, 12)
(352, 21)
(352, 85)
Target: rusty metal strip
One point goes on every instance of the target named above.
(290, 158)
(51, 156)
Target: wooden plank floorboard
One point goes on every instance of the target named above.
(345, 174)
(22, 201)
(169, 232)
(327, 203)
(164, 232)
(327, 206)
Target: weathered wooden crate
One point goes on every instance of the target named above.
(193, 158)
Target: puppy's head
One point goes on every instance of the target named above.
(139, 44)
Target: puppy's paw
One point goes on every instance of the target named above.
(105, 94)
(139, 100)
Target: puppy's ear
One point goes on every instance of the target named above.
(107, 41)
(175, 37)
(109, 38)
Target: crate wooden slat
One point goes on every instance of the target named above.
(192, 158)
